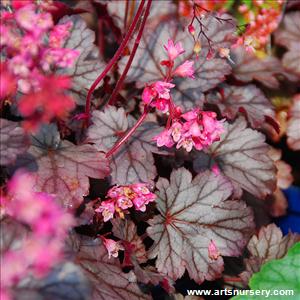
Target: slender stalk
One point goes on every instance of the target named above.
(128, 134)
(129, 62)
(114, 58)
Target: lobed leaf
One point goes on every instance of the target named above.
(89, 64)
(134, 161)
(242, 155)
(192, 214)
(247, 99)
(106, 275)
(125, 230)
(289, 37)
(289, 33)
(63, 168)
(276, 276)
(249, 67)
(269, 244)
(13, 141)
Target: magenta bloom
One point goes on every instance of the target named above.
(164, 139)
(193, 129)
(123, 197)
(213, 251)
(157, 95)
(173, 50)
(107, 208)
(185, 70)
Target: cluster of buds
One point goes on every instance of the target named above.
(121, 198)
(262, 18)
(196, 128)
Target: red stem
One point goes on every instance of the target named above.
(114, 59)
(128, 134)
(129, 62)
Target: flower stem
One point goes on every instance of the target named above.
(114, 58)
(129, 133)
(129, 62)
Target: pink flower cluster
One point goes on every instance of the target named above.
(33, 49)
(43, 246)
(194, 128)
(157, 94)
(123, 197)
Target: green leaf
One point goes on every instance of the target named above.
(276, 276)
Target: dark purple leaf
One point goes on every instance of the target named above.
(192, 214)
(248, 67)
(89, 64)
(248, 99)
(269, 244)
(13, 141)
(134, 161)
(293, 130)
(106, 275)
(63, 168)
(242, 156)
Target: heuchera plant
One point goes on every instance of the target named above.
(136, 156)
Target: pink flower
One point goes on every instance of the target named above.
(112, 247)
(186, 142)
(185, 70)
(173, 50)
(36, 23)
(58, 34)
(215, 169)
(107, 208)
(194, 128)
(157, 95)
(213, 251)
(163, 89)
(164, 139)
(124, 203)
(124, 197)
(176, 131)
(49, 226)
(8, 84)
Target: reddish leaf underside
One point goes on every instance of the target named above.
(192, 214)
